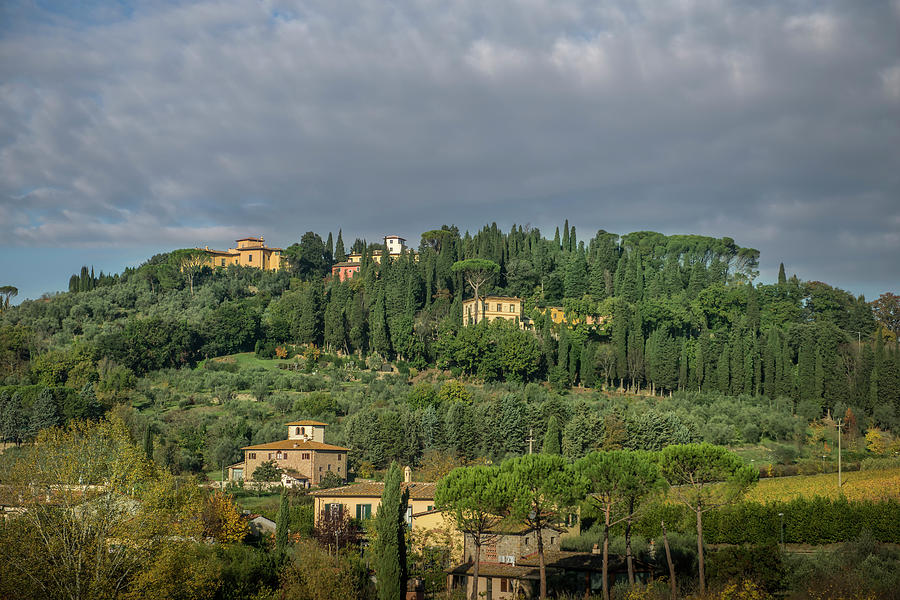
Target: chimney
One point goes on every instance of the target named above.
(407, 474)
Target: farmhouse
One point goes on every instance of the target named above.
(508, 308)
(304, 456)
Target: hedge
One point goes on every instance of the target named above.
(806, 521)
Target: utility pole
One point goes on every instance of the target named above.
(840, 424)
(530, 440)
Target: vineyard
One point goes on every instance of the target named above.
(857, 485)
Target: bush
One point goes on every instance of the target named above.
(761, 564)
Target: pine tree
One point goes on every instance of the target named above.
(552, 437)
(390, 542)
(13, 422)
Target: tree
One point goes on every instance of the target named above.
(13, 420)
(267, 471)
(887, 311)
(189, 262)
(390, 542)
(704, 477)
(7, 291)
(340, 252)
(544, 487)
(44, 412)
(552, 438)
(476, 498)
(222, 519)
(477, 272)
(617, 480)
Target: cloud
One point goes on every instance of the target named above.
(175, 124)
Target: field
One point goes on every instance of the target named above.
(857, 485)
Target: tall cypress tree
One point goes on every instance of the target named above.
(340, 252)
(390, 544)
(565, 237)
(329, 250)
(552, 438)
(782, 278)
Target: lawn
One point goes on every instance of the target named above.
(266, 504)
(857, 485)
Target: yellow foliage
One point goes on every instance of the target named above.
(222, 520)
(879, 442)
(179, 572)
(858, 485)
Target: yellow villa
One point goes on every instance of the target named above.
(428, 526)
(492, 307)
(250, 252)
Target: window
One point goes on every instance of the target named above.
(249, 258)
(320, 469)
(363, 511)
(505, 585)
(223, 262)
(339, 469)
(329, 466)
(297, 431)
(340, 456)
(335, 508)
(430, 507)
(270, 456)
(499, 307)
(252, 455)
(302, 431)
(512, 308)
(305, 456)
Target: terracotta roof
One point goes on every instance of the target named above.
(252, 239)
(237, 464)
(346, 263)
(486, 298)
(492, 569)
(295, 445)
(308, 422)
(417, 490)
(581, 561)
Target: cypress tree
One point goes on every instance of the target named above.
(722, 369)
(390, 542)
(806, 367)
(782, 278)
(576, 281)
(329, 250)
(552, 438)
(340, 253)
(13, 423)
(770, 359)
(565, 237)
(44, 412)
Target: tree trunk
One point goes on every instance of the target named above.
(477, 561)
(672, 585)
(606, 554)
(543, 567)
(700, 552)
(628, 557)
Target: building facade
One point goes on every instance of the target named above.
(490, 308)
(250, 252)
(304, 456)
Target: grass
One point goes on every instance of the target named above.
(857, 485)
(266, 504)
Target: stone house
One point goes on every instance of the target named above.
(304, 457)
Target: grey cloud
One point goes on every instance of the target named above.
(774, 123)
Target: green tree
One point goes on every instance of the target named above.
(544, 488)
(340, 251)
(552, 437)
(389, 546)
(190, 262)
(616, 482)
(704, 477)
(267, 471)
(475, 498)
(44, 412)
(477, 272)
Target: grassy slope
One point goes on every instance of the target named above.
(857, 485)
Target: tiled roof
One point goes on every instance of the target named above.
(374, 489)
(346, 263)
(296, 445)
(308, 422)
(492, 569)
(581, 561)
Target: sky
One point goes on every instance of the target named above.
(132, 128)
